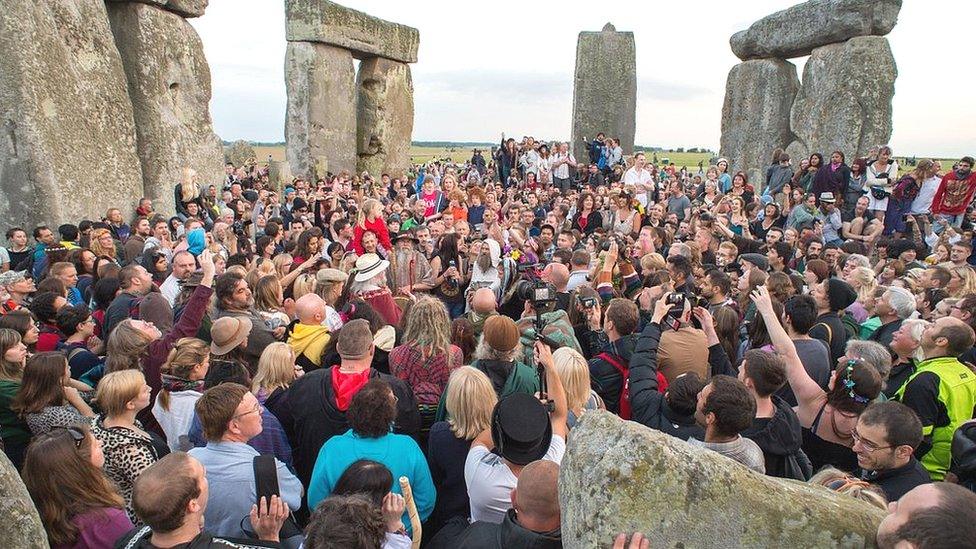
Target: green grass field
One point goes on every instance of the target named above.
(419, 155)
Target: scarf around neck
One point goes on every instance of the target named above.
(176, 384)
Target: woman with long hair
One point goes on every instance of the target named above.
(832, 177)
(469, 401)
(426, 358)
(13, 430)
(881, 174)
(448, 267)
(587, 219)
(103, 245)
(183, 375)
(827, 417)
(746, 285)
(813, 166)
(129, 448)
(574, 374)
(771, 218)
(84, 262)
(903, 195)
(727, 327)
(23, 323)
(268, 299)
(277, 370)
(462, 336)
(45, 399)
(962, 281)
(78, 505)
(863, 280)
(187, 191)
(854, 189)
(309, 246)
(626, 220)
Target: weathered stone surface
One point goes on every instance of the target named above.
(756, 114)
(169, 86)
(21, 526)
(620, 476)
(797, 30)
(68, 148)
(385, 116)
(844, 102)
(320, 122)
(364, 35)
(279, 174)
(604, 88)
(186, 8)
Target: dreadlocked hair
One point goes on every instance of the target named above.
(429, 327)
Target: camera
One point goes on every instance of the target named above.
(538, 292)
(587, 302)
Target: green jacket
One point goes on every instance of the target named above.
(522, 379)
(940, 388)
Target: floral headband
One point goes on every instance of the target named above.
(849, 383)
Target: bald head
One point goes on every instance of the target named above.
(483, 301)
(310, 309)
(556, 274)
(536, 497)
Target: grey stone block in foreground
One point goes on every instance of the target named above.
(619, 476)
(364, 35)
(605, 88)
(844, 103)
(797, 30)
(68, 141)
(20, 526)
(756, 114)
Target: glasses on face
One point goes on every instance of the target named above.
(866, 444)
(257, 409)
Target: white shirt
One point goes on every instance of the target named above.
(177, 420)
(926, 193)
(634, 176)
(561, 171)
(490, 481)
(530, 161)
(170, 288)
(576, 279)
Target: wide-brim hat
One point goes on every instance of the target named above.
(368, 266)
(827, 197)
(227, 333)
(520, 428)
(409, 234)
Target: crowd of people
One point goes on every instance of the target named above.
(362, 360)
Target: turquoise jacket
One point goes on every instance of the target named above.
(400, 454)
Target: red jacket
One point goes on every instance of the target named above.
(953, 196)
(377, 227)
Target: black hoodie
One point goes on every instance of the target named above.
(605, 379)
(779, 437)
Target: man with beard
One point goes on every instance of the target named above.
(748, 245)
(955, 192)
(812, 249)
(885, 439)
(716, 288)
(411, 270)
(234, 299)
(832, 221)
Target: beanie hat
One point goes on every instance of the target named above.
(840, 294)
(501, 333)
(355, 339)
(899, 246)
(195, 241)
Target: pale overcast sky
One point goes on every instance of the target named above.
(507, 65)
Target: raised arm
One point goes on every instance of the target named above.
(645, 399)
(805, 388)
(557, 395)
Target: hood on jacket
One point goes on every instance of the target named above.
(309, 340)
(555, 325)
(781, 434)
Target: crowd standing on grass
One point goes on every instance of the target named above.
(301, 354)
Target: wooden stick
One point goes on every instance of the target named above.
(411, 511)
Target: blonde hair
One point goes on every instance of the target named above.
(189, 188)
(304, 284)
(126, 347)
(267, 290)
(279, 263)
(965, 272)
(864, 281)
(470, 400)
(276, 368)
(96, 246)
(574, 374)
(842, 483)
(653, 262)
(117, 389)
(368, 206)
(186, 354)
(428, 326)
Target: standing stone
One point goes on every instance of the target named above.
(68, 143)
(362, 34)
(21, 526)
(320, 123)
(169, 85)
(619, 476)
(844, 102)
(279, 174)
(756, 113)
(796, 31)
(385, 116)
(186, 8)
(604, 88)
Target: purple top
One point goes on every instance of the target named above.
(99, 528)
